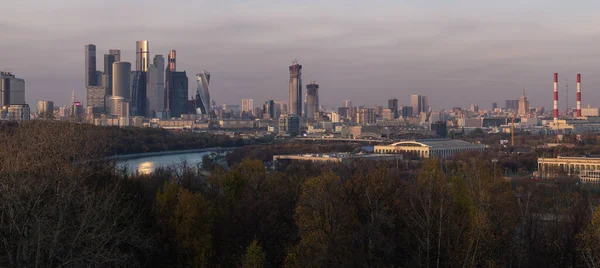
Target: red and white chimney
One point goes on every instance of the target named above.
(555, 97)
(578, 95)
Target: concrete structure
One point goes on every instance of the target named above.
(12, 89)
(337, 157)
(19, 112)
(155, 89)
(312, 101)
(45, 109)
(578, 113)
(142, 56)
(295, 103)
(95, 98)
(202, 93)
(441, 148)
(587, 168)
(121, 80)
(90, 66)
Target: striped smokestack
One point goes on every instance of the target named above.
(555, 97)
(578, 95)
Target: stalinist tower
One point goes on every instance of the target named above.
(523, 105)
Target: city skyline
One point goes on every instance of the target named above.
(480, 54)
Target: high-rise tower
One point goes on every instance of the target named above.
(393, 106)
(142, 56)
(295, 89)
(171, 67)
(90, 66)
(109, 59)
(312, 101)
(156, 85)
(121, 79)
(116, 53)
(523, 105)
(202, 93)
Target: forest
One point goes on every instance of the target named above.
(58, 208)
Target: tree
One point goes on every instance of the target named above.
(184, 218)
(255, 256)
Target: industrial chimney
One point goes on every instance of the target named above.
(578, 95)
(555, 97)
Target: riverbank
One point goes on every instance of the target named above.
(163, 153)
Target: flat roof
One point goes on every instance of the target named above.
(438, 144)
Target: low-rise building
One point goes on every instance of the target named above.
(337, 157)
(588, 168)
(429, 148)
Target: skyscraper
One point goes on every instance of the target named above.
(393, 106)
(116, 53)
(178, 93)
(419, 104)
(312, 101)
(171, 67)
(90, 65)
(156, 85)
(202, 94)
(107, 75)
(523, 105)
(295, 104)
(247, 106)
(120, 80)
(142, 56)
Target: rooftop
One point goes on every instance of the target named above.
(437, 143)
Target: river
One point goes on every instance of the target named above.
(147, 164)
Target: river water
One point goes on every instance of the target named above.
(146, 165)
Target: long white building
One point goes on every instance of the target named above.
(429, 148)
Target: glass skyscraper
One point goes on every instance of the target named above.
(202, 93)
(295, 104)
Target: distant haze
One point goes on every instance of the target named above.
(456, 52)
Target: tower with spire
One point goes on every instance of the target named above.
(523, 105)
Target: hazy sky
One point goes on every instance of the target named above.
(456, 52)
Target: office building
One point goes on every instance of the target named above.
(474, 108)
(155, 89)
(494, 105)
(116, 54)
(45, 109)
(77, 112)
(90, 66)
(367, 116)
(269, 109)
(512, 105)
(407, 111)
(289, 125)
(177, 84)
(107, 75)
(347, 103)
(419, 104)
(440, 129)
(203, 106)
(393, 106)
(19, 112)
(312, 101)
(387, 114)
(95, 98)
(12, 89)
(247, 105)
(142, 56)
(121, 80)
(295, 103)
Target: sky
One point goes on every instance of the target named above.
(456, 52)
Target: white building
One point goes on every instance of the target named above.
(429, 148)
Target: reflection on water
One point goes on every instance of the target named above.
(147, 165)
